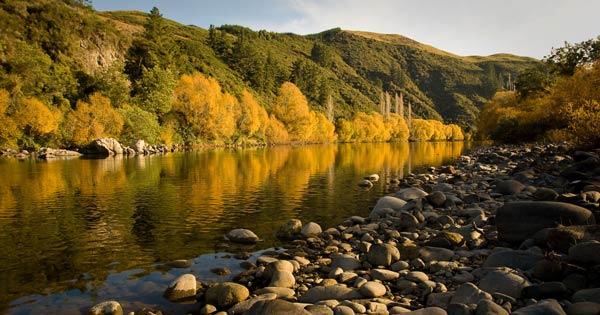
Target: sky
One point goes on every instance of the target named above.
(463, 27)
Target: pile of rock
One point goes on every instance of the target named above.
(109, 147)
(103, 147)
(505, 230)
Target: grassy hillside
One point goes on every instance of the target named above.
(60, 52)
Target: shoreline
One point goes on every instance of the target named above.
(447, 243)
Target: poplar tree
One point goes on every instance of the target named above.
(388, 105)
(330, 108)
(409, 120)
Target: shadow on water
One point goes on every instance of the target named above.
(78, 231)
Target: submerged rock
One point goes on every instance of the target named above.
(290, 230)
(106, 308)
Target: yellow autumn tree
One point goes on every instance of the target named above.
(345, 130)
(275, 132)
(439, 130)
(421, 130)
(500, 107)
(291, 108)
(370, 128)
(208, 114)
(397, 127)
(456, 133)
(323, 131)
(37, 121)
(252, 115)
(577, 99)
(89, 121)
(229, 110)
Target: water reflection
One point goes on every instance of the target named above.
(72, 224)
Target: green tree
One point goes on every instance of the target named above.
(564, 60)
(322, 55)
(534, 81)
(154, 90)
(308, 77)
(139, 125)
(155, 47)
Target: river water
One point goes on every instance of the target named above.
(76, 232)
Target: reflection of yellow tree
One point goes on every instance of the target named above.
(302, 163)
(435, 153)
(374, 157)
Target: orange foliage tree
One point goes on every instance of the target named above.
(291, 108)
(37, 122)
(323, 131)
(275, 131)
(89, 121)
(253, 117)
(208, 114)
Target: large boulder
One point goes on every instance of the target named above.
(290, 230)
(242, 236)
(106, 308)
(383, 254)
(103, 147)
(372, 289)
(183, 287)
(587, 252)
(505, 281)
(346, 262)
(332, 292)
(385, 203)
(545, 307)
(138, 146)
(410, 193)
(517, 221)
(311, 229)
(49, 153)
(509, 187)
(226, 294)
(276, 307)
(468, 293)
(515, 259)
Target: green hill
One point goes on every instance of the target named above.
(62, 51)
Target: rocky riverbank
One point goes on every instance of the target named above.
(103, 147)
(506, 230)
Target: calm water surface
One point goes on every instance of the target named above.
(79, 231)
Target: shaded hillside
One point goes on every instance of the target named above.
(60, 52)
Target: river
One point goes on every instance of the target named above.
(75, 232)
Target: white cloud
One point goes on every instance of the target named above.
(461, 26)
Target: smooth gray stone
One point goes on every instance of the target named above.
(545, 307)
(517, 221)
(276, 307)
(333, 292)
(514, 259)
